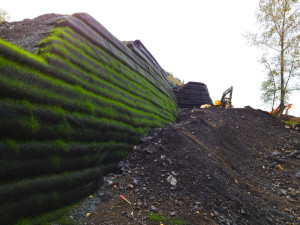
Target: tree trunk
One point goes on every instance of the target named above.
(282, 86)
(282, 65)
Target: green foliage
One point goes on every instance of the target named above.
(4, 17)
(279, 37)
(173, 81)
(155, 217)
(165, 220)
(290, 122)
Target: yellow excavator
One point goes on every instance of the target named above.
(225, 101)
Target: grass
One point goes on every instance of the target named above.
(165, 220)
(110, 77)
(121, 50)
(6, 47)
(56, 216)
(90, 49)
(290, 122)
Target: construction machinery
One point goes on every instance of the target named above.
(287, 107)
(226, 99)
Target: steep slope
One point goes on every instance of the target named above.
(70, 113)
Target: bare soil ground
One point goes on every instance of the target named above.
(214, 166)
(28, 33)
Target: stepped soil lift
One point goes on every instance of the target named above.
(70, 113)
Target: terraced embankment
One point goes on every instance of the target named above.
(70, 113)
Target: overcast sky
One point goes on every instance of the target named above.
(195, 40)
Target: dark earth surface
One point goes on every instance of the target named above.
(214, 166)
(28, 33)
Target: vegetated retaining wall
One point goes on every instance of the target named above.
(70, 113)
(192, 94)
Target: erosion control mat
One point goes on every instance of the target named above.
(215, 166)
(70, 112)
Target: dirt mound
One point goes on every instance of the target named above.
(215, 166)
(28, 33)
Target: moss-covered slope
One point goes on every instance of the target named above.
(70, 113)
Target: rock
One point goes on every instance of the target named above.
(153, 208)
(298, 174)
(293, 154)
(281, 192)
(145, 205)
(172, 188)
(169, 161)
(293, 193)
(222, 219)
(275, 153)
(135, 182)
(145, 139)
(130, 186)
(172, 180)
(206, 106)
(149, 151)
(172, 213)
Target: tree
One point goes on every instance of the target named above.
(279, 36)
(4, 17)
(173, 81)
(270, 86)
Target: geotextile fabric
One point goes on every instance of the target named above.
(70, 113)
(192, 94)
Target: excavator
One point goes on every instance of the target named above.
(225, 101)
(286, 107)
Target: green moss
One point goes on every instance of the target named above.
(165, 220)
(30, 124)
(122, 153)
(56, 216)
(56, 161)
(155, 217)
(6, 46)
(65, 129)
(61, 145)
(111, 68)
(12, 145)
(28, 106)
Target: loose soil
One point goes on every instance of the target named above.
(214, 166)
(28, 33)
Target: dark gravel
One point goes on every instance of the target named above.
(214, 166)
(28, 33)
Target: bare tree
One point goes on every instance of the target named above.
(279, 37)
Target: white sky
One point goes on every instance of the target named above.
(196, 40)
